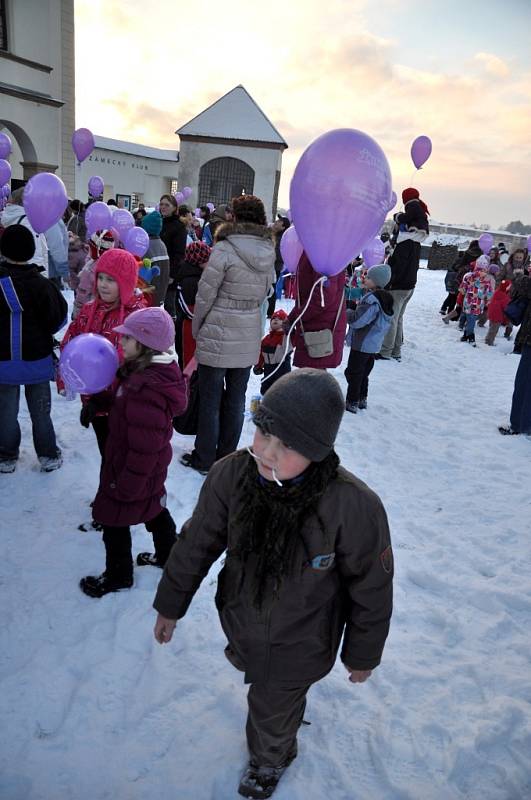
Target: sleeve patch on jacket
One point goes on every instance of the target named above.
(386, 559)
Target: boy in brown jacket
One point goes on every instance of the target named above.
(308, 563)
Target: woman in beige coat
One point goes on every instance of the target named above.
(227, 328)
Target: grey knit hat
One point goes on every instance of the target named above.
(380, 274)
(304, 409)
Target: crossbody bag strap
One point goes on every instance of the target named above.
(338, 310)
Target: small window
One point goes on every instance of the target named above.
(173, 187)
(3, 25)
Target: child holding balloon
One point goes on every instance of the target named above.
(150, 392)
(115, 279)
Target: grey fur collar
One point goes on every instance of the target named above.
(242, 229)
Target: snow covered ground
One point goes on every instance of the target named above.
(94, 709)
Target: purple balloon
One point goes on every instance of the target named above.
(197, 213)
(291, 249)
(82, 143)
(211, 207)
(5, 171)
(339, 197)
(6, 190)
(420, 150)
(98, 217)
(5, 145)
(122, 220)
(88, 363)
(179, 198)
(288, 214)
(45, 200)
(186, 192)
(485, 242)
(95, 186)
(136, 241)
(373, 253)
(393, 201)
(528, 243)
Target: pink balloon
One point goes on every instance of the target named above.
(373, 253)
(45, 200)
(179, 198)
(186, 192)
(122, 220)
(420, 150)
(485, 242)
(82, 143)
(291, 249)
(136, 241)
(5, 145)
(95, 186)
(88, 363)
(339, 197)
(5, 171)
(98, 217)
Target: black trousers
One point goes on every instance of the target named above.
(357, 374)
(101, 429)
(275, 715)
(449, 303)
(117, 541)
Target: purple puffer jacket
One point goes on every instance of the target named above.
(317, 317)
(138, 450)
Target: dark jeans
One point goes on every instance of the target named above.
(470, 323)
(521, 405)
(101, 429)
(275, 715)
(39, 401)
(449, 303)
(221, 409)
(269, 368)
(357, 373)
(117, 541)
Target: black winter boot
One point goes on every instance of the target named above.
(100, 585)
(258, 782)
(464, 338)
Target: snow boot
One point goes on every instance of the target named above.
(507, 430)
(100, 585)
(258, 782)
(464, 338)
(90, 526)
(8, 466)
(50, 464)
(472, 339)
(362, 403)
(352, 407)
(148, 560)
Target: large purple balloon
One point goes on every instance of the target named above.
(6, 190)
(82, 143)
(373, 253)
(98, 217)
(45, 200)
(122, 220)
(420, 150)
(179, 198)
(5, 171)
(485, 242)
(393, 201)
(186, 192)
(291, 248)
(136, 241)
(95, 186)
(88, 363)
(5, 145)
(339, 197)
(211, 207)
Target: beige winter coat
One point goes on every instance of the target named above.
(233, 286)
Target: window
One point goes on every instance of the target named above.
(3, 25)
(224, 178)
(173, 187)
(135, 200)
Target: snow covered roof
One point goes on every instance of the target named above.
(234, 116)
(134, 149)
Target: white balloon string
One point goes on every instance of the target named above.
(318, 282)
(279, 483)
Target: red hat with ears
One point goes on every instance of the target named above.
(410, 194)
(280, 314)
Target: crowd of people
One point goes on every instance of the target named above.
(296, 579)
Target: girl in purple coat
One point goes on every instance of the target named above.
(150, 392)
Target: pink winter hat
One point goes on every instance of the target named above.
(152, 327)
(121, 266)
(483, 262)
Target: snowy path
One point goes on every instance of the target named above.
(93, 709)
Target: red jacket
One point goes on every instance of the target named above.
(138, 450)
(500, 299)
(318, 317)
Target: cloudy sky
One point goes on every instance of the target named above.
(458, 71)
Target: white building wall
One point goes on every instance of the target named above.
(264, 161)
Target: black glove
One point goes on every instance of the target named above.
(88, 413)
(258, 370)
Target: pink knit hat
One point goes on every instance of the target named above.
(121, 266)
(152, 327)
(483, 262)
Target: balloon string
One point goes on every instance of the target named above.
(279, 483)
(318, 282)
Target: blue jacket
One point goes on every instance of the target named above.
(368, 324)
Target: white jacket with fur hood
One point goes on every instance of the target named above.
(237, 279)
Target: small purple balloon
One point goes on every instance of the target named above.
(485, 242)
(197, 213)
(211, 207)
(179, 198)
(339, 197)
(136, 241)
(122, 220)
(373, 253)
(98, 217)
(420, 150)
(528, 243)
(82, 143)
(95, 186)
(5, 171)
(291, 249)
(88, 363)
(393, 201)
(45, 200)
(6, 190)
(5, 145)
(186, 192)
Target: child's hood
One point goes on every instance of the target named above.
(383, 298)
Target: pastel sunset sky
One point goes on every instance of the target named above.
(458, 71)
